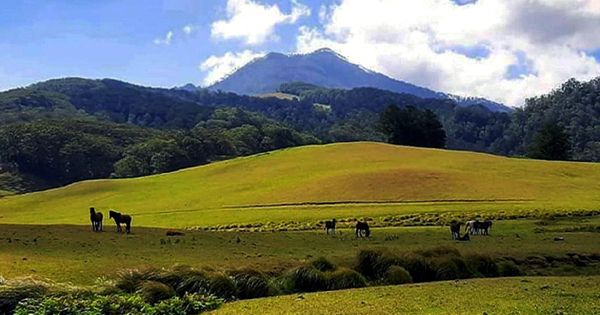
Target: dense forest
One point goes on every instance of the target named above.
(60, 131)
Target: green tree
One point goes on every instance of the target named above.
(551, 142)
(411, 126)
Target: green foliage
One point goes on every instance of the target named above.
(550, 143)
(509, 269)
(397, 275)
(322, 264)
(251, 283)
(410, 126)
(222, 286)
(93, 304)
(345, 278)
(10, 295)
(154, 291)
(307, 279)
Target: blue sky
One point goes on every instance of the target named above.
(505, 50)
(114, 38)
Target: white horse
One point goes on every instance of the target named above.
(470, 227)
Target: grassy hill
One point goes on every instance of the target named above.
(540, 295)
(317, 182)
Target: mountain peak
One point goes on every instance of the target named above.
(323, 67)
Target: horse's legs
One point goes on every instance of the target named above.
(128, 227)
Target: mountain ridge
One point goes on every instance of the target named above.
(327, 68)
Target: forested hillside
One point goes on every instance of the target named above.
(61, 131)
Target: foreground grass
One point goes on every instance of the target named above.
(75, 254)
(312, 183)
(522, 295)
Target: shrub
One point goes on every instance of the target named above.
(222, 286)
(322, 264)
(509, 269)
(154, 291)
(130, 280)
(374, 263)
(397, 275)
(251, 283)
(187, 305)
(189, 281)
(307, 279)
(450, 268)
(418, 267)
(345, 278)
(10, 295)
(482, 265)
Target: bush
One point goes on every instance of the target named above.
(509, 269)
(189, 281)
(307, 279)
(129, 280)
(251, 283)
(418, 267)
(222, 286)
(374, 263)
(322, 264)
(397, 275)
(131, 304)
(482, 265)
(10, 295)
(154, 291)
(345, 278)
(445, 269)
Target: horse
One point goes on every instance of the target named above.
(455, 230)
(484, 227)
(121, 218)
(96, 218)
(470, 226)
(362, 229)
(330, 226)
(464, 238)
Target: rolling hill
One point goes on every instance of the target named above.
(326, 68)
(317, 182)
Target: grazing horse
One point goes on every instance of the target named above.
(470, 226)
(121, 218)
(464, 238)
(330, 226)
(96, 218)
(455, 230)
(362, 229)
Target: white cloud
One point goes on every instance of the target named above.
(218, 67)
(188, 29)
(166, 40)
(424, 42)
(253, 22)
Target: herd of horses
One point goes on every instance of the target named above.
(97, 218)
(472, 227)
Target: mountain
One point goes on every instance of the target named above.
(326, 68)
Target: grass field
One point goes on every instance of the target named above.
(522, 295)
(312, 183)
(75, 254)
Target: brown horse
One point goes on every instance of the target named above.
(455, 230)
(121, 218)
(96, 218)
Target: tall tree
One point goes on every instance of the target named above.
(411, 126)
(551, 142)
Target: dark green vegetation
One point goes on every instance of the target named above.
(35, 297)
(413, 127)
(52, 131)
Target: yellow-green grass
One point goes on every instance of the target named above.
(522, 295)
(75, 254)
(317, 182)
(279, 95)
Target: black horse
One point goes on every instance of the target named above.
(455, 230)
(484, 227)
(96, 218)
(121, 218)
(362, 229)
(330, 226)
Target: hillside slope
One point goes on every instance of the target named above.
(317, 182)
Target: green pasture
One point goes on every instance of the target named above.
(520, 295)
(76, 254)
(312, 183)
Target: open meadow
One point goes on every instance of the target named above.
(302, 186)
(521, 295)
